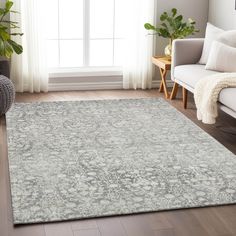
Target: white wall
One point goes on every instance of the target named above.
(222, 13)
(2, 2)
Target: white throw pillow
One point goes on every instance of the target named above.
(221, 58)
(228, 38)
(212, 33)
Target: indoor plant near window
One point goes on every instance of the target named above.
(173, 27)
(7, 45)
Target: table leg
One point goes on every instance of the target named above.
(174, 91)
(161, 87)
(163, 82)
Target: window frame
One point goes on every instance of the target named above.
(61, 71)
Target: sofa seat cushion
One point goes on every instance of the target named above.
(228, 97)
(190, 74)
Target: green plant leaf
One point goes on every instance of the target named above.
(174, 12)
(191, 21)
(164, 16)
(164, 25)
(164, 33)
(4, 28)
(2, 11)
(179, 18)
(18, 49)
(7, 50)
(9, 5)
(148, 26)
(4, 35)
(2, 48)
(17, 12)
(173, 26)
(14, 26)
(7, 45)
(9, 22)
(15, 34)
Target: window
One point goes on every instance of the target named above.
(85, 33)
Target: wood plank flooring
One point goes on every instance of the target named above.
(212, 221)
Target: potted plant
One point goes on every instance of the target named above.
(173, 27)
(7, 45)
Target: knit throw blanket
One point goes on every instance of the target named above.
(206, 95)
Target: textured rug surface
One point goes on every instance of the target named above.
(73, 160)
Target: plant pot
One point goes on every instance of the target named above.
(5, 68)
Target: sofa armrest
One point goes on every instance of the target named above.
(186, 51)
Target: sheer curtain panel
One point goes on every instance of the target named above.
(137, 69)
(29, 70)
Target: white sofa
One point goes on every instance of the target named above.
(186, 72)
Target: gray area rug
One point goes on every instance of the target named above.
(74, 160)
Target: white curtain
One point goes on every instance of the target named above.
(137, 70)
(29, 70)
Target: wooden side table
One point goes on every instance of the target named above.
(164, 64)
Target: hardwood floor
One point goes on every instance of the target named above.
(212, 221)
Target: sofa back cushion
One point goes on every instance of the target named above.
(222, 58)
(228, 38)
(212, 33)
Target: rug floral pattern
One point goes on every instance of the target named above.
(81, 159)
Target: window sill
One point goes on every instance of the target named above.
(85, 72)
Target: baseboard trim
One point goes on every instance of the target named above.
(85, 86)
(96, 85)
